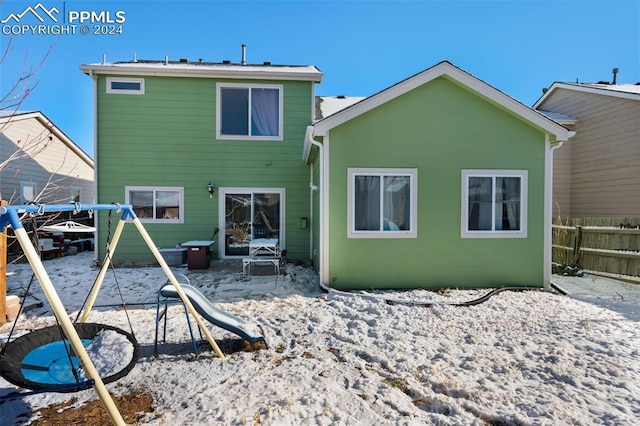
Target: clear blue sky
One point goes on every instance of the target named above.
(518, 46)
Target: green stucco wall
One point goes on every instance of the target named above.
(167, 137)
(439, 128)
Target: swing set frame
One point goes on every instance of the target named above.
(11, 216)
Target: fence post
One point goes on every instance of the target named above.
(577, 244)
(3, 272)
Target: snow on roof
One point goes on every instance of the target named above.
(327, 105)
(224, 69)
(11, 113)
(627, 88)
(557, 117)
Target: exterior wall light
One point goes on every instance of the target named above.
(210, 189)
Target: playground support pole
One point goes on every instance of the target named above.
(67, 326)
(103, 271)
(176, 285)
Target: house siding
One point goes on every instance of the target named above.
(604, 153)
(439, 128)
(46, 162)
(167, 137)
(562, 180)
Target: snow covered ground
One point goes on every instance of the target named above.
(355, 359)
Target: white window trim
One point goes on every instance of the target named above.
(125, 80)
(128, 189)
(466, 174)
(250, 86)
(352, 172)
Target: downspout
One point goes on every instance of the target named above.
(548, 214)
(95, 158)
(311, 216)
(309, 138)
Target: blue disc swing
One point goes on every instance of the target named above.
(44, 361)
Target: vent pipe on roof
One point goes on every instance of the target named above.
(104, 58)
(244, 54)
(135, 57)
(615, 75)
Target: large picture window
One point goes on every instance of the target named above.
(249, 112)
(248, 214)
(382, 203)
(161, 205)
(494, 203)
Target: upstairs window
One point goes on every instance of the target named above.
(382, 203)
(249, 112)
(161, 205)
(494, 203)
(130, 86)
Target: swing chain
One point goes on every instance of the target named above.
(39, 212)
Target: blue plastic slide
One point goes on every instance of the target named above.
(223, 319)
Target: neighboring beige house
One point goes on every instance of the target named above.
(39, 163)
(596, 172)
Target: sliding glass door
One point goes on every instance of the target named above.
(250, 214)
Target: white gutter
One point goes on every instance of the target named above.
(173, 70)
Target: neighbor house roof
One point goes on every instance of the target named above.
(202, 69)
(10, 116)
(449, 70)
(626, 91)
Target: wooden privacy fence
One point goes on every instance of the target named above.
(604, 246)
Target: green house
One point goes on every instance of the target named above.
(197, 147)
(437, 181)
